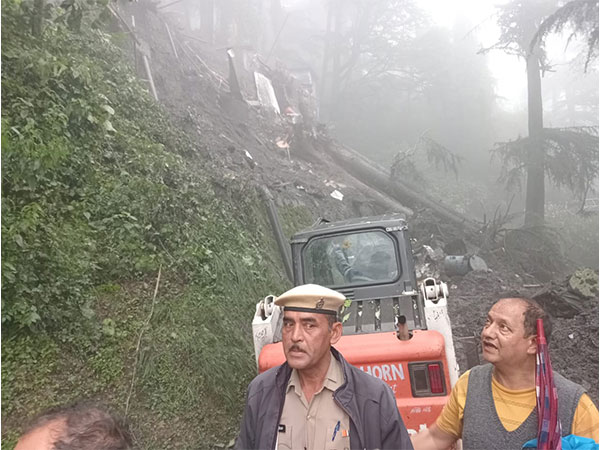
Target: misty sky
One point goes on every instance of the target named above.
(508, 70)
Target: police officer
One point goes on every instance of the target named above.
(316, 399)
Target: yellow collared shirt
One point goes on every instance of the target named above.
(513, 407)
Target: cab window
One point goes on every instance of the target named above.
(352, 259)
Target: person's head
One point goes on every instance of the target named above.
(78, 427)
(310, 325)
(510, 331)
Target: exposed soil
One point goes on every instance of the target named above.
(237, 142)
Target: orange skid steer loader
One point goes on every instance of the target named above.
(393, 328)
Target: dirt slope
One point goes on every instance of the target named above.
(236, 143)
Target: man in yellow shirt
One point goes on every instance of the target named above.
(494, 405)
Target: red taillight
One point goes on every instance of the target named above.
(427, 378)
(436, 382)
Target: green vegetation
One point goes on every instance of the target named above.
(100, 191)
(294, 218)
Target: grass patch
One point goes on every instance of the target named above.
(196, 357)
(100, 189)
(294, 219)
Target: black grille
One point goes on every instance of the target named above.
(348, 293)
(369, 316)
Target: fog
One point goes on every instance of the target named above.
(431, 87)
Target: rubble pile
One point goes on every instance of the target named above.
(244, 135)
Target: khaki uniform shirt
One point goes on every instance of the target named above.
(320, 424)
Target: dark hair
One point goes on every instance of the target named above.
(85, 427)
(331, 319)
(533, 312)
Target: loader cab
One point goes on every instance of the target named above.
(368, 260)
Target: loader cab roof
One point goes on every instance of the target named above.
(387, 221)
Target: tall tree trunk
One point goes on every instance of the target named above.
(225, 33)
(535, 160)
(37, 17)
(271, 18)
(324, 91)
(336, 60)
(207, 20)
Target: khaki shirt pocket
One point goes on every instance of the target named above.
(284, 439)
(338, 443)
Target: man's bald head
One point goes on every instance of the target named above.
(531, 312)
(79, 427)
(42, 436)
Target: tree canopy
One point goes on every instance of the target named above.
(580, 17)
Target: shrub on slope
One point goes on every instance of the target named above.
(99, 190)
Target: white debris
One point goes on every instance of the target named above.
(248, 154)
(265, 92)
(337, 195)
(282, 143)
(571, 336)
(435, 255)
(334, 184)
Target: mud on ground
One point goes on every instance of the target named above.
(237, 142)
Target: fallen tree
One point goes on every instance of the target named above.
(379, 178)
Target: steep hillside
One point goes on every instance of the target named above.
(519, 261)
(135, 241)
(127, 278)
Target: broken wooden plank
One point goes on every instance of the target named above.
(234, 86)
(149, 74)
(171, 40)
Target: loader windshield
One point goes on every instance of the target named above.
(360, 258)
